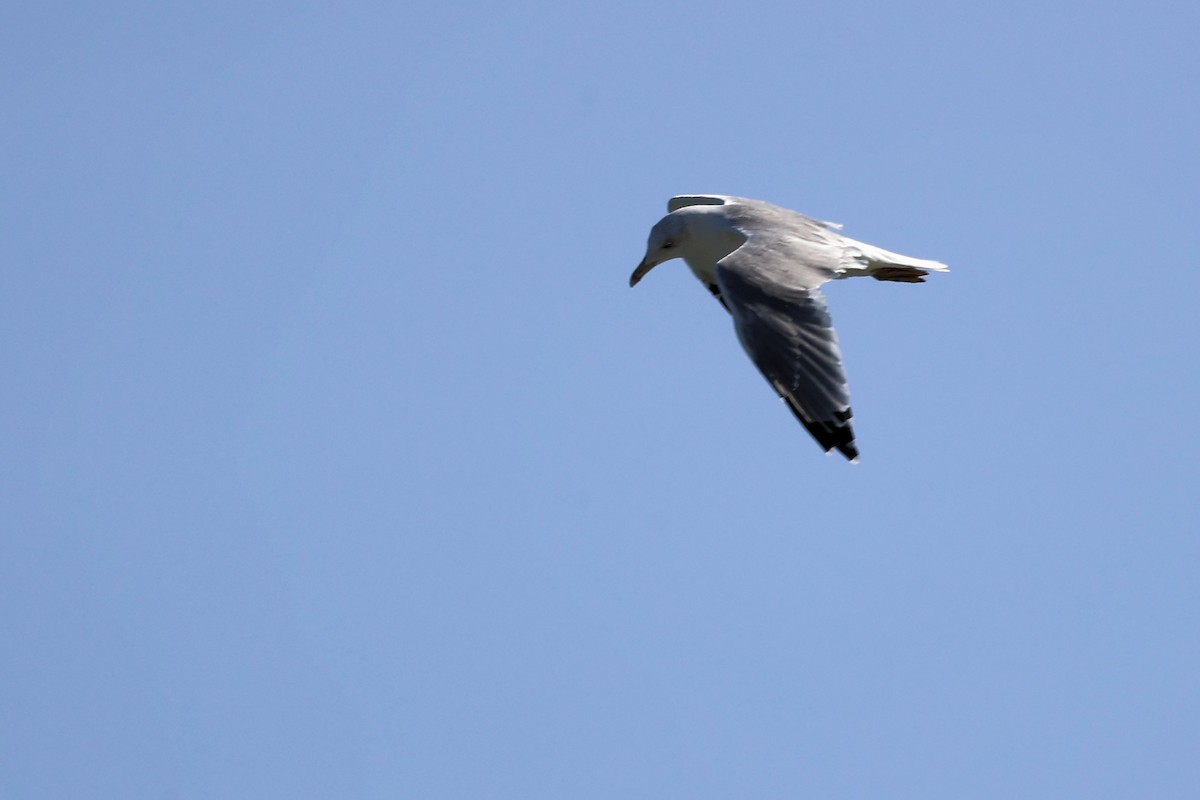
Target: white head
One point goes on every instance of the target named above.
(700, 234)
(668, 239)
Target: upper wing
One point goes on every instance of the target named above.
(684, 200)
(784, 325)
(757, 208)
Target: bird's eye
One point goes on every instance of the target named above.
(669, 243)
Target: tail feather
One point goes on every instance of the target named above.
(884, 265)
(899, 274)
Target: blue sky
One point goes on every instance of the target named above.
(339, 460)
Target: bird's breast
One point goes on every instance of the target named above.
(705, 271)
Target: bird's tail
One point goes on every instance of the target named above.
(884, 265)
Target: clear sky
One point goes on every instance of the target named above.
(338, 459)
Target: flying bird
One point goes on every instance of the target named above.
(765, 265)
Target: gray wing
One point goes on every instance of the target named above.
(682, 200)
(784, 325)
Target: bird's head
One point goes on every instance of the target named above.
(668, 239)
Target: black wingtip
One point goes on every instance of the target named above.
(834, 434)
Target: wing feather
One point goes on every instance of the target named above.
(685, 200)
(784, 325)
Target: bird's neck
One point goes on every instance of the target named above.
(711, 238)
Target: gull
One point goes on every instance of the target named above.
(765, 265)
